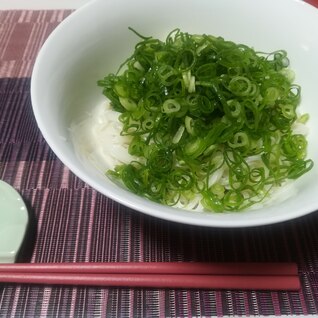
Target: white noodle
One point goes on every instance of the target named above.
(97, 141)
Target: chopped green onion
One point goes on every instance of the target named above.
(171, 106)
(208, 118)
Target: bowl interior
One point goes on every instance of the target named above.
(95, 40)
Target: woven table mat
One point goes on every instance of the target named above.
(72, 222)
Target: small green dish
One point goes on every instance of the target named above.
(13, 222)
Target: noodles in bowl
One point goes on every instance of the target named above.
(200, 123)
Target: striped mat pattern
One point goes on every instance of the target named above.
(72, 222)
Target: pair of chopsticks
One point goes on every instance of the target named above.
(241, 276)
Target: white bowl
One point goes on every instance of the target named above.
(94, 40)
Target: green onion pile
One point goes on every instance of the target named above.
(208, 119)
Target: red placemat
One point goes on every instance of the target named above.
(72, 222)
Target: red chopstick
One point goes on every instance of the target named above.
(196, 268)
(242, 276)
(313, 2)
(158, 280)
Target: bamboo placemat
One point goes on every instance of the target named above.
(72, 222)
